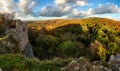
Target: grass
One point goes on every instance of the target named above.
(8, 62)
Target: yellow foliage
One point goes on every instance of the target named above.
(52, 24)
(102, 52)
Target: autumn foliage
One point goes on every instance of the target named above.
(95, 38)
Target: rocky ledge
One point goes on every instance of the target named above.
(83, 64)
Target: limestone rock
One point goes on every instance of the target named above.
(118, 55)
(27, 51)
(0, 69)
(19, 33)
(112, 58)
(22, 35)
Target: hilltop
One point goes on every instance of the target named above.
(51, 24)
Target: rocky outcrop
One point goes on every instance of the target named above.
(0, 69)
(24, 43)
(83, 64)
(18, 32)
(21, 34)
(27, 50)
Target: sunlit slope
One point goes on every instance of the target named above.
(52, 24)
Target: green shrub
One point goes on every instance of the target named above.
(113, 48)
(68, 48)
(45, 46)
(12, 60)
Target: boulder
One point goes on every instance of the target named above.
(118, 55)
(112, 58)
(0, 69)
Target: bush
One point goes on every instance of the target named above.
(81, 50)
(113, 48)
(102, 52)
(67, 48)
(98, 51)
(45, 46)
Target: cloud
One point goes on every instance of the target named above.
(89, 11)
(50, 11)
(100, 9)
(65, 8)
(76, 13)
(81, 3)
(55, 10)
(106, 8)
(71, 2)
(71, 9)
(59, 2)
(23, 7)
(62, 7)
(7, 6)
(26, 6)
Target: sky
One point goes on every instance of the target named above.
(61, 9)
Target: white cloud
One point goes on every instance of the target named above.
(71, 2)
(50, 11)
(7, 6)
(76, 14)
(106, 8)
(22, 7)
(62, 7)
(65, 8)
(70, 8)
(89, 11)
(100, 9)
(59, 2)
(55, 10)
(81, 3)
(26, 6)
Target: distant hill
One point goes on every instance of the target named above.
(51, 24)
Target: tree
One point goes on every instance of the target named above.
(68, 48)
(98, 51)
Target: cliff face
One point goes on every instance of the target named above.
(22, 34)
(17, 31)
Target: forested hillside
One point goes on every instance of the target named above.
(94, 38)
